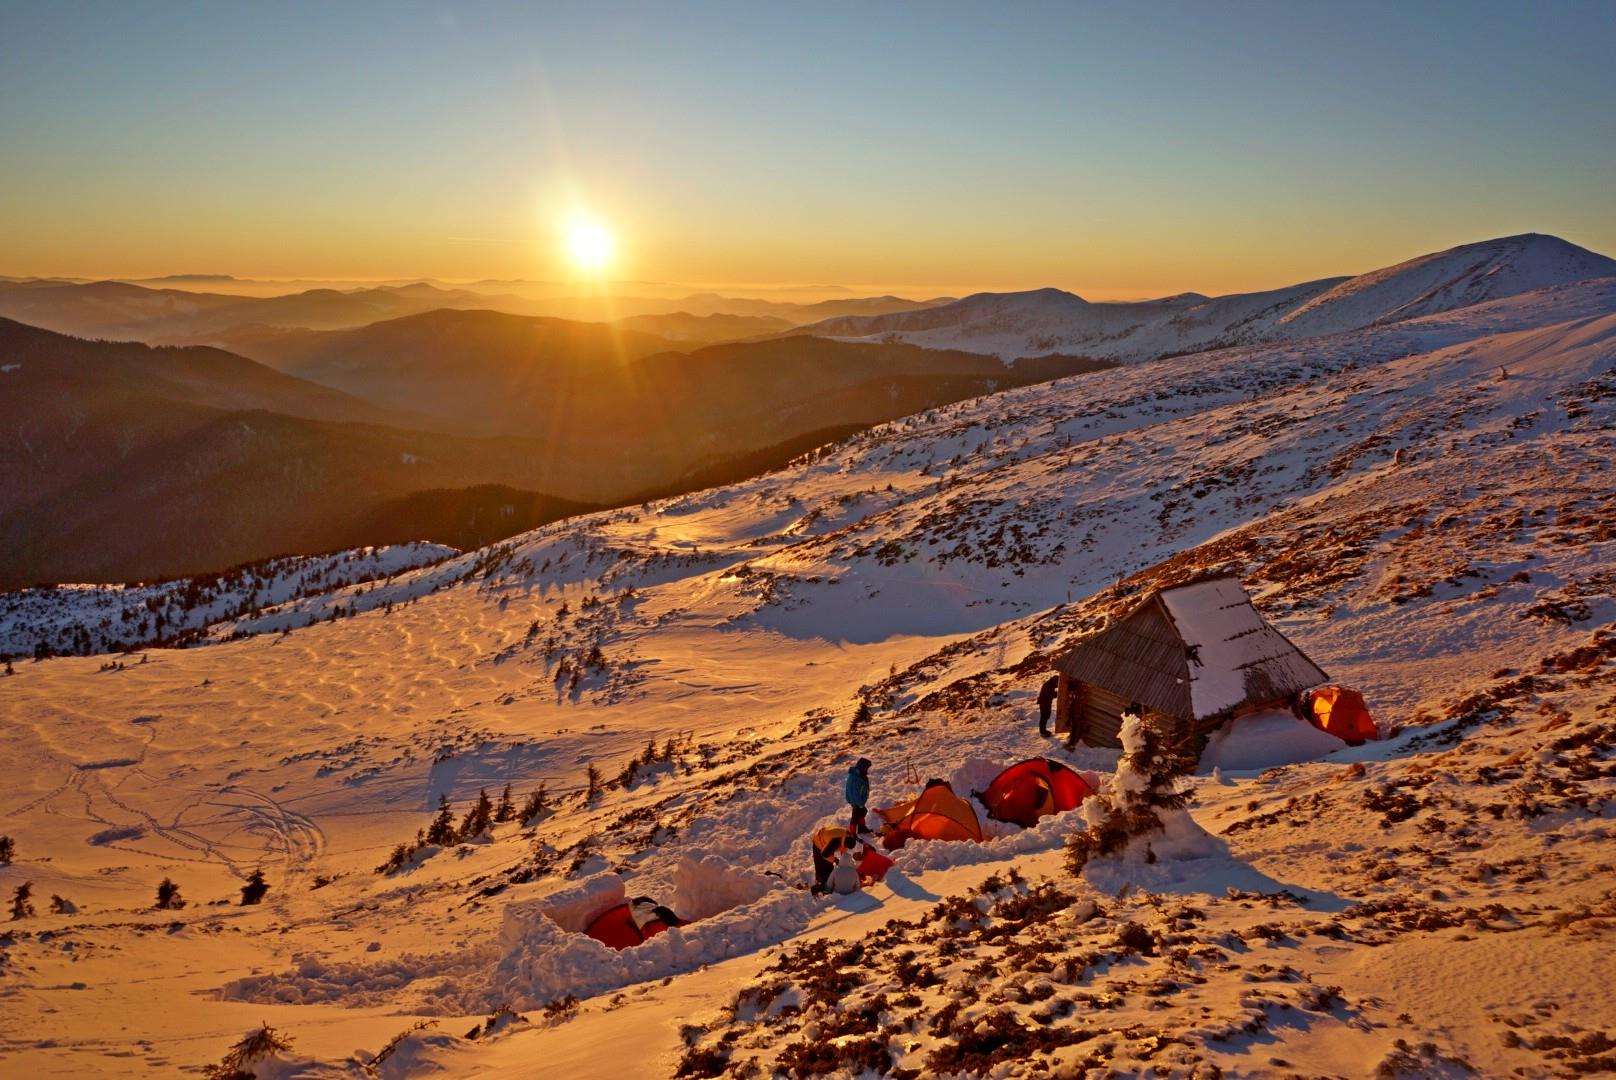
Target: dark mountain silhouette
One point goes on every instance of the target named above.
(490, 372)
(135, 462)
(587, 384)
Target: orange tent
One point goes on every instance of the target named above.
(1032, 789)
(935, 814)
(1342, 713)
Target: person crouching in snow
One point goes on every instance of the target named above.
(857, 790)
(1046, 703)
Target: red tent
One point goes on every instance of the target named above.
(616, 927)
(622, 928)
(1032, 789)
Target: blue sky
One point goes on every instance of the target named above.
(1122, 150)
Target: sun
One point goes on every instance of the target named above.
(589, 244)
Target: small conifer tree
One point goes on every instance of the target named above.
(22, 906)
(593, 791)
(1145, 786)
(395, 861)
(168, 896)
(478, 819)
(253, 892)
(442, 831)
(61, 905)
(8, 849)
(535, 803)
(506, 810)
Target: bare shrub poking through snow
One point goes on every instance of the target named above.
(8, 849)
(1143, 789)
(254, 1047)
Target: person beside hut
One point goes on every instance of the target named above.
(1046, 703)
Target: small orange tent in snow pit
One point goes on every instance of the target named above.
(1032, 789)
(1342, 713)
(935, 814)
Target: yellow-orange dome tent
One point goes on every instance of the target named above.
(935, 814)
(1342, 713)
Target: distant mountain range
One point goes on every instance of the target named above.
(126, 461)
(129, 461)
(1010, 325)
(164, 315)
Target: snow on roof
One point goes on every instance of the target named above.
(1234, 655)
(1192, 651)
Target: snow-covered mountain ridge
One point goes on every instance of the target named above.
(1425, 507)
(1044, 321)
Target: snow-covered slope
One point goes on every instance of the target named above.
(1011, 325)
(1424, 507)
(87, 619)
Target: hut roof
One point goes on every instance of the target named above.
(1193, 651)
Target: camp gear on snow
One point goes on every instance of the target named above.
(935, 814)
(1192, 656)
(1032, 789)
(844, 878)
(1342, 713)
(625, 925)
(872, 865)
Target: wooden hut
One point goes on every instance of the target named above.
(1192, 656)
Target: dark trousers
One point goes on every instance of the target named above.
(1044, 709)
(857, 824)
(822, 868)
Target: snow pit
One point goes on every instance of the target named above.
(1265, 740)
(542, 960)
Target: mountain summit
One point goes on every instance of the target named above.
(1043, 321)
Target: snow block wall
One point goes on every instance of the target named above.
(545, 954)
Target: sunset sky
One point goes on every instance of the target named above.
(1118, 151)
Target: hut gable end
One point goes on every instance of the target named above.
(1140, 657)
(1193, 651)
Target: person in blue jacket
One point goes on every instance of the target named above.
(857, 790)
